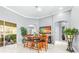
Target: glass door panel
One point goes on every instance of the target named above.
(10, 33)
(1, 33)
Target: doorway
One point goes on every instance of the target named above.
(32, 29)
(62, 26)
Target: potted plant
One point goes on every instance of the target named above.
(23, 33)
(70, 34)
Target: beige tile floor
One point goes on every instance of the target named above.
(59, 47)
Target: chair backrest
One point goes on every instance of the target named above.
(44, 37)
(29, 36)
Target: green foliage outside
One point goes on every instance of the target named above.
(12, 37)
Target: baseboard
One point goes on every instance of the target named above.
(76, 49)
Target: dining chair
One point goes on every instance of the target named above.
(43, 44)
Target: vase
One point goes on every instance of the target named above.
(70, 40)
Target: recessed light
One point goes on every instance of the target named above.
(60, 14)
(60, 8)
(38, 8)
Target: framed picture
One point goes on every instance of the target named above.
(45, 29)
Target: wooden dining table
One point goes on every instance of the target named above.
(35, 43)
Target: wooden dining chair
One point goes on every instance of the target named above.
(29, 41)
(43, 44)
(25, 42)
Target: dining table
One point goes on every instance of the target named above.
(35, 42)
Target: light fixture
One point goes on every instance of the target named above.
(31, 25)
(61, 8)
(38, 8)
(60, 14)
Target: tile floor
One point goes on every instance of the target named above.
(59, 47)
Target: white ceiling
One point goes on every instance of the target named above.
(32, 12)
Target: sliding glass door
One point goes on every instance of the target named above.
(7, 33)
(1, 33)
(10, 33)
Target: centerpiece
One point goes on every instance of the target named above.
(70, 34)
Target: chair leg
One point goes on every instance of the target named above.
(38, 51)
(46, 47)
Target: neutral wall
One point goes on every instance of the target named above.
(19, 20)
(75, 23)
(75, 17)
(45, 21)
